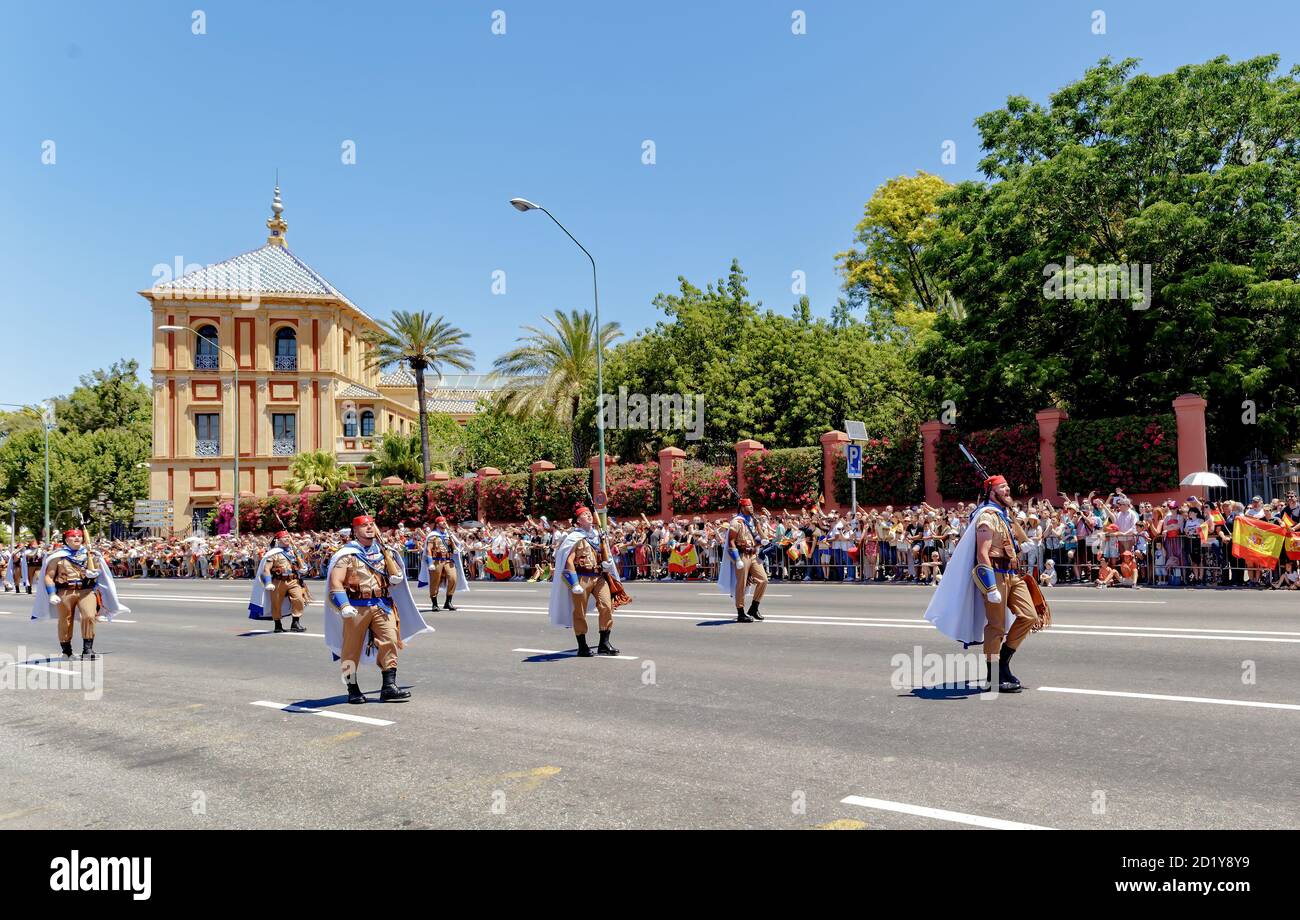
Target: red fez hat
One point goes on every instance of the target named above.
(580, 510)
(993, 481)
(71, 532)
(746, 503)
(440, 520)
(282, 535)
(361, 520)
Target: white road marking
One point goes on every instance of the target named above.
(727, 597)
(1175, 699)
(940, 814)
(117, 621)
(41, 667)
(571, 654)
(289, 707)
(285, 633)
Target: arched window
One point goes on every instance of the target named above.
(367, 424)
(350, 424)
(286, 349)
(206, 356)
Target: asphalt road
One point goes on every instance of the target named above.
(809, 719)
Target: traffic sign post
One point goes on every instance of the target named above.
(857, 433)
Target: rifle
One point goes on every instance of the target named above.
(617, 593)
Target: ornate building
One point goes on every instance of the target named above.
(293, 342)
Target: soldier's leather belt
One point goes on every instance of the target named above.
(362, 594)
(78, 585)
(440, 559)
(586, 571)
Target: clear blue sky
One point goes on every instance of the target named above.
(768, 144)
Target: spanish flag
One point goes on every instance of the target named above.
(499, 565)
(793, 552)
(1204, 531)
(1257, 542)
(683, 560)
(1217, 519)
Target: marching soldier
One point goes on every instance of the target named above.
(582, 562)
(741, 566)
(441, 563)
(280, 578)
(369, 610)
(73, 577)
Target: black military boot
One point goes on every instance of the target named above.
(446, 605)
(435, 604)
(605, 648)
(67, 649)
(742, 617)
(583, 650)
(88, 648)
(1004, 670)
(753, 610)
(295, 626)
(355, 695)
(279, 627)
(391, 691)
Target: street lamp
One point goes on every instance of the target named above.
(523, 204)
(47, 422)
(234, 363)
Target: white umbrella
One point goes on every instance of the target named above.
(1211, 480)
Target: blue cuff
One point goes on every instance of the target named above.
(571, 577)
(339, 598)
(51, 590)
(986, 577)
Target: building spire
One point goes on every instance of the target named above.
(276, 223)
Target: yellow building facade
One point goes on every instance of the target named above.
(294, 343)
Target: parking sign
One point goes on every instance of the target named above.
(853, 460)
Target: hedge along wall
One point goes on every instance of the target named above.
(391, 505)
(786, 478)
(505, 498)
(891, 473)
(1137, 453)
(557, 493)
(1011, 452)
(699, 488)
(632, 489)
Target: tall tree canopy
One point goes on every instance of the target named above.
(1196, 174)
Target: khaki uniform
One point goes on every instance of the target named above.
(748, 568)
(1015, 594)
(285, 582)
(586, 563)
(442, 568)
(374, 621)
(76, 592)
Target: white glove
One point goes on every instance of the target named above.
(576, 589)
(348, 612)
(994, 596)
(396, 578)
(608, 566)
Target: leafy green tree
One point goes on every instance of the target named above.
(396, 455)
(498, 439)
(318, 468)
(548, 372)
(1191, 177)
(108, 399)
(424, 343)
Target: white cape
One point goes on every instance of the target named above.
(412, 624)
(727, 568)
(257, 603)
(42, 609)
(423, 580)
(9, 571)
(561, 606)
(957, 607)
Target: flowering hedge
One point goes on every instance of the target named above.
(1137, 453)
(891, 473)
(392, 505)
(787, 478)
(632, 489)
(556, 493)
(1011, 452)
(698, 487)
(505, 498)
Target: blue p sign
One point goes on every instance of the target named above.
(853, 460)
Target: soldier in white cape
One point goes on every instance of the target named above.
(448, 539)
(366, 623)
(570, 587)
(48, 604)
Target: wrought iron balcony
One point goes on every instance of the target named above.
(207, 448)
(207, 362)
(286, 362)
(284, 447)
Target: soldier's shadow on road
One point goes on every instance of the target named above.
(321, 703)
(551, 656)
(944, 692)
(716, 622)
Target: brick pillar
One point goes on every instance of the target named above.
(483, 475)
(743, 450)
(1193, 457)
(667, 458)
(437, 476)
(1048, 421)
(832, 449)
(930, 464)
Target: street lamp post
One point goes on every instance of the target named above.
(234, 364)
(47, 422)
(523, 204)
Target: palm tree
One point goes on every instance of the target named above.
(318, 468)
(424, 343)
(396, 455)
(547, 372)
